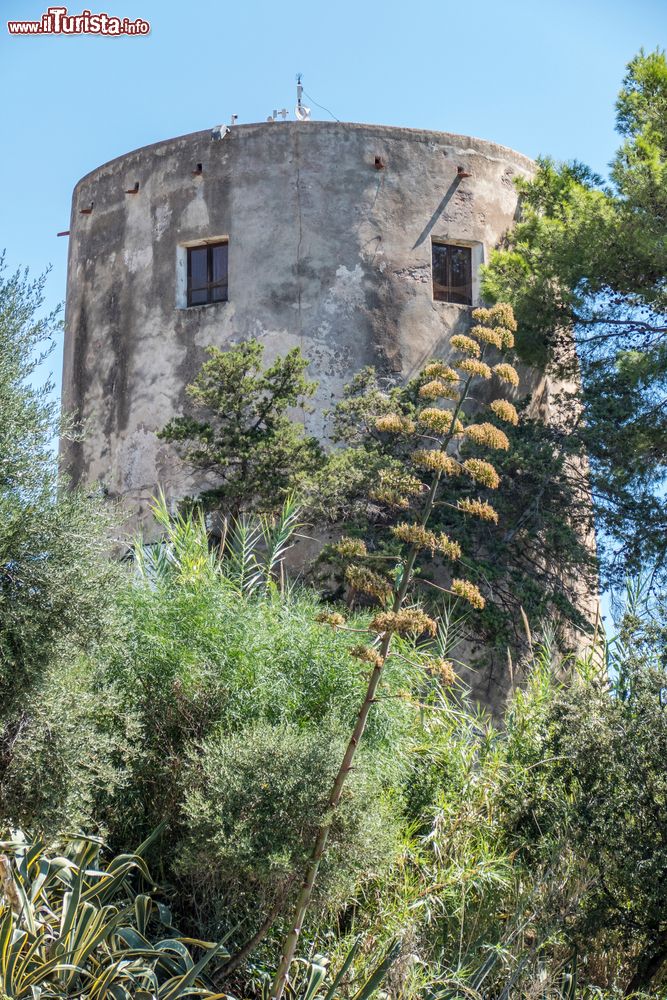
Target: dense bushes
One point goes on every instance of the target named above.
(499, 856)
(71, 752)
(588, 798)
(254, 799)
(504, 858)
(222, 715)
(56, 582)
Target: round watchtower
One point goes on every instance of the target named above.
(360, 244)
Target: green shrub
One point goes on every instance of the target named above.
(70, 754)
(587, 797)
(254, 798)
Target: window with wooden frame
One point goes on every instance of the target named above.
(452, 273)
(208, 273)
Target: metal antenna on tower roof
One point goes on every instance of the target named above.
(301, 111)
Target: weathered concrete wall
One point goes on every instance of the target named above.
(325, 252)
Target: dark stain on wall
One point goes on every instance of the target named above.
(115, 381)
(72, 451)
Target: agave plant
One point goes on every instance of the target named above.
(249, 556)
(314, 979)
(72, 926)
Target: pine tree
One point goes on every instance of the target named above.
(240, 431)
(588, 260)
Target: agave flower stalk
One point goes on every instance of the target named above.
(437, 381)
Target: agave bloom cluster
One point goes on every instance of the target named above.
(444, 671)
(446, 429)
(492, 330)
(367, 581)
(482, 472)
(500, 320)
(488, 435)
(367, 654)
(435, 460)
(471, 366)
(466, 345)
(396, 488)
(478, 508)
(333, 618)
(423, 538)
(394, 423)
(504, 410)
(438, 389)
(439, 370)
(488, 335)
(440, 421)
(408, 621)
(469, 592)
(507, 373)
(349, 548)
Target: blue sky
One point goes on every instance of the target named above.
(538, 76)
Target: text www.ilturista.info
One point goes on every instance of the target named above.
(56, 21)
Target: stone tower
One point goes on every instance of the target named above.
(360, 244)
